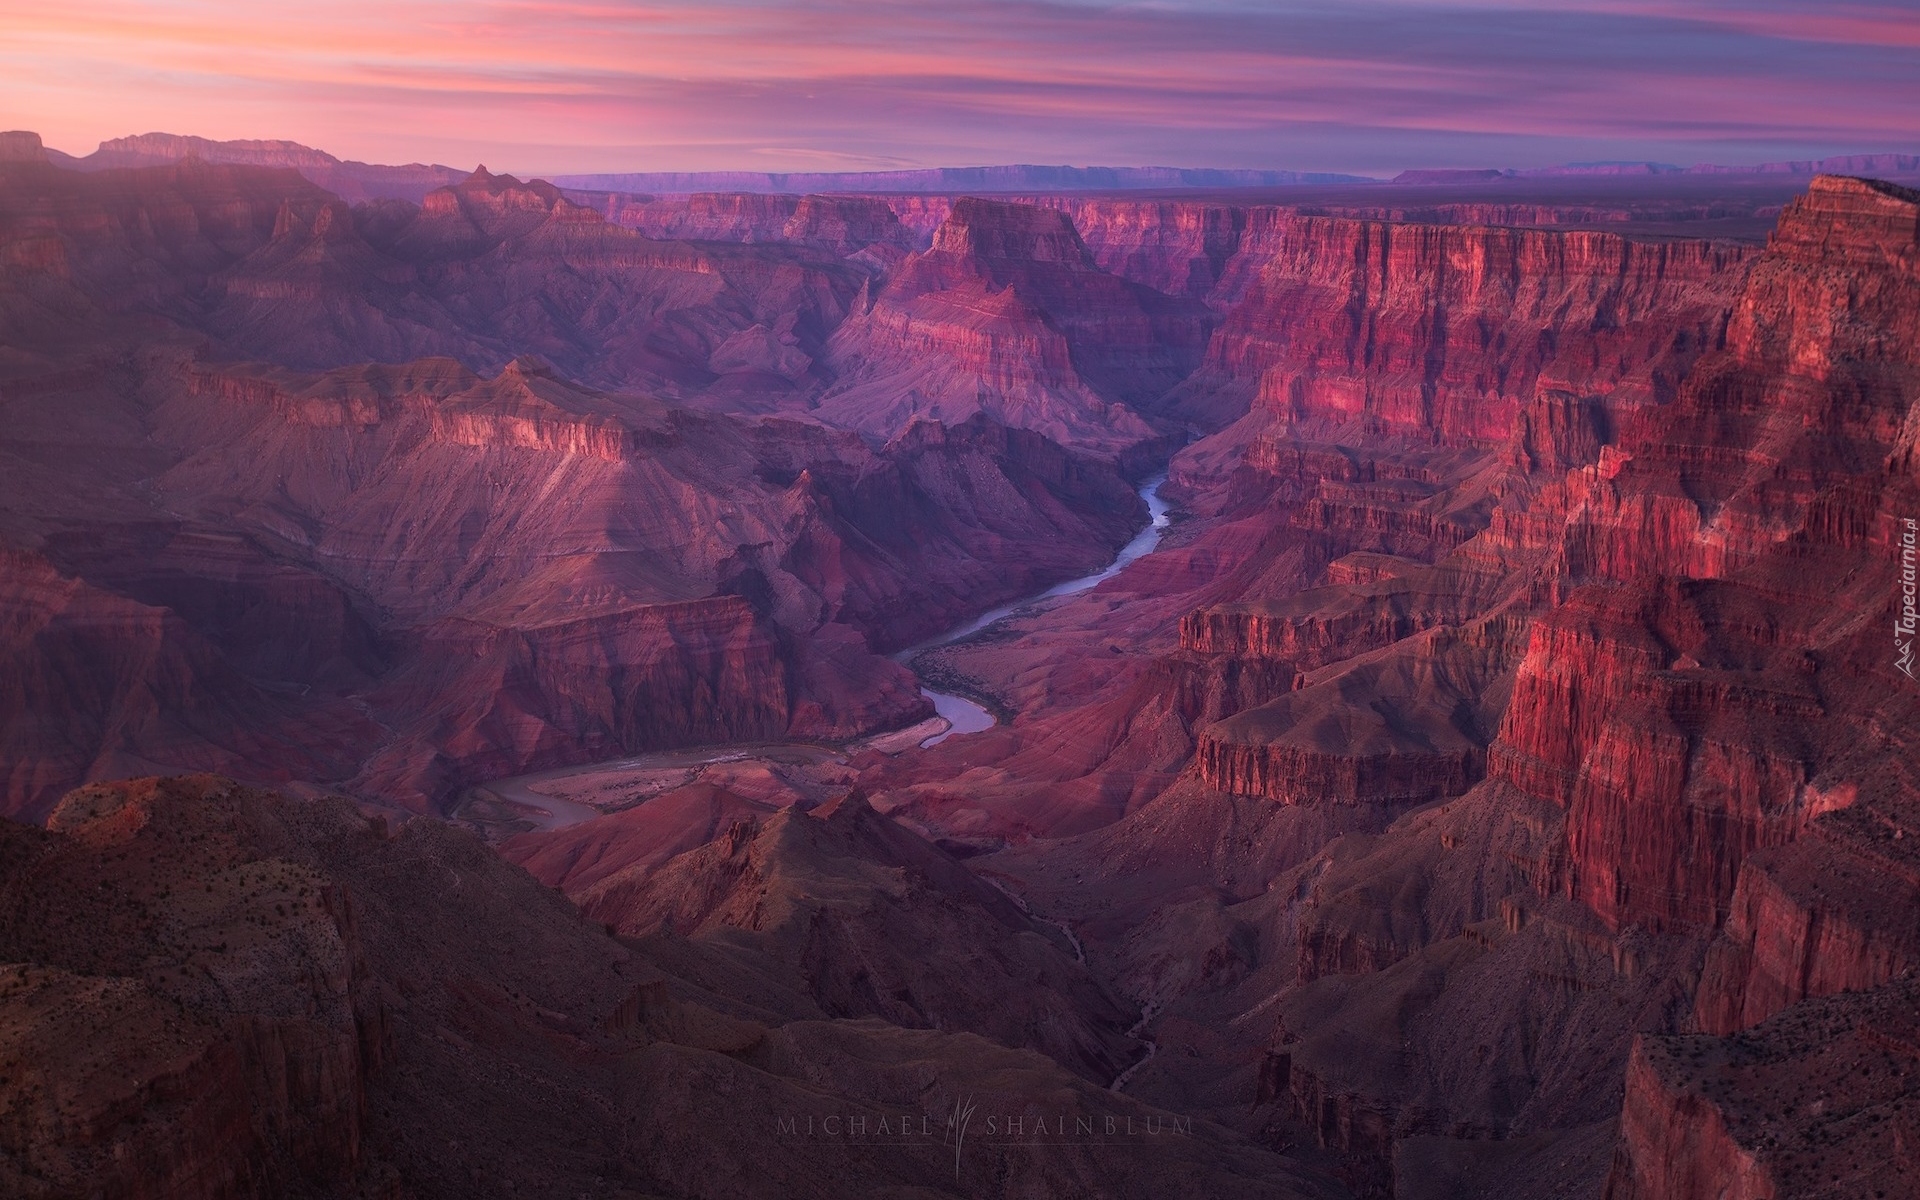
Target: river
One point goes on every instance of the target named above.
(549, 811)
(963, 715)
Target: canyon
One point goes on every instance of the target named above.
(1493, 783)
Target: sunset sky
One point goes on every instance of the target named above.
(870, 84)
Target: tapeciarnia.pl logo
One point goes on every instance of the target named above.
(1908, 620)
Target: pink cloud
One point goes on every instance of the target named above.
(604, 86)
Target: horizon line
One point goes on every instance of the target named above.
(1655, 167)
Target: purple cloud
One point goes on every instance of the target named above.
(552, 87)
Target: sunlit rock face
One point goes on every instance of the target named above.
(1008, 314)
(1694, 744)
(1641, 629)
(422, 571)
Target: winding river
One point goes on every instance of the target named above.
(963, 715)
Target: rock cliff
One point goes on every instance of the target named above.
(440, 576)
(1816, 1102)
(215, 991)
(1706, 700)
(877, 921)
(1008, 314)
(1578, 727)
(1445, 332)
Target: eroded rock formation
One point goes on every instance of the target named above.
(215, 991)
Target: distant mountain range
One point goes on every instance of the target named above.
(1017, 178)
(1877, 165)
(351, 181)
(356, 181)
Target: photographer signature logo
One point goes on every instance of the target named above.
(963, 1110)
(999, 1127)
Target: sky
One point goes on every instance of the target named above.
(1373, 86)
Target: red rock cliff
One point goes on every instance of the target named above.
(1007, 313)
(1666, 713)
(1445, 331)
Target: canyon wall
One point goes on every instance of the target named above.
(484, 575)
(1815, 1103)
(1381, 438)
(1578, 725)
(1007, 313)
(1701, 741)
(1443, 333)
(1805, 413)
(216, 991)
(490, 565)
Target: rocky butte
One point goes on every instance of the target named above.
(471, 651)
